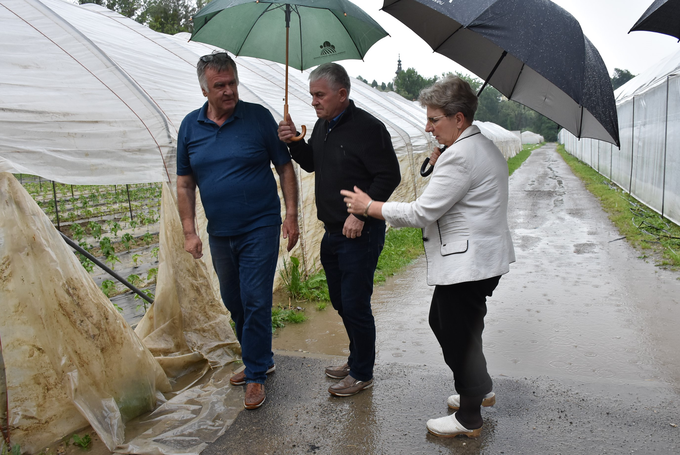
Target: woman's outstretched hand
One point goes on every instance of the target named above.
(356, 201)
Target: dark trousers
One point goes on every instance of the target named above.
(457, 320)
(350, 265)
(245, 266)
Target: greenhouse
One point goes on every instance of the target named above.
(648, 163)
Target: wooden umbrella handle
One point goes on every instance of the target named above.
(301, 136)
(285, 100)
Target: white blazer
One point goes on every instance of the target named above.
(463, 212)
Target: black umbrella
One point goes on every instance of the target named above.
(663, 16)
(532, 51)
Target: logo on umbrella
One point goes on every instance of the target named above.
(327, 48)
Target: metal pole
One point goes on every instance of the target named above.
(4, 402)
(129, 203)
(56, 206)
(665, 149)
(85, 253)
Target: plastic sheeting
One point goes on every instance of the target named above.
(648, 163)
(187, 328)
(529, 137)
(68, 353)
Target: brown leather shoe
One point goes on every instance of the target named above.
(349, 386)
(255, 396)
(240, 377)
(337, 372)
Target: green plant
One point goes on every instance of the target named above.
(153, 273)
(321, 306)
(291, 276)
(112, 260)
(77, 231)
(126, 239)
(154, 252)
(95, 229)
(108, 287)
(144, 303)
(147, 238)
(115, 228)
(280, 316)
(118, 307)
(86, 263)
(6, 450)
(84, 245)
(134, 280)
(135, 259)
(106, 247)
(84, 443)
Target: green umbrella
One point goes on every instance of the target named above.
(299, 33)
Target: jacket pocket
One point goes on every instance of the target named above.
(456, 247)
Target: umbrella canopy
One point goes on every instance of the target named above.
(532, 51)
(321, 31)
(663, 16)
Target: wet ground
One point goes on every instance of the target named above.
(581, 340)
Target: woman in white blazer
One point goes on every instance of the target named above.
(463, 213)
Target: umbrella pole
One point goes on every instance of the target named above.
(492, 71)
(285, 99)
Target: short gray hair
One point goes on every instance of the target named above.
(452, 95)
(335, 74)
(217, 61)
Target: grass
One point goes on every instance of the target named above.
(402, 246)
(516, 161)
(642, 227)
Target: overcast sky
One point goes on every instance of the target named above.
(605, 23)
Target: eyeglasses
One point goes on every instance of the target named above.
(433, 120)
(210, 57)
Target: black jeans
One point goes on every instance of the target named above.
(350, 265)
(457, 320)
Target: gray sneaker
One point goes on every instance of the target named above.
(337, 372)
(349, 386)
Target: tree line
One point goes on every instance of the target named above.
(493, 106)
(165, 16)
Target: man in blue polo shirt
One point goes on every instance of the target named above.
(225, 149)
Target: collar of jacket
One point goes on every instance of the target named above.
(469, 131)
(347, 113)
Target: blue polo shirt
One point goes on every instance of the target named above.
(231, 166)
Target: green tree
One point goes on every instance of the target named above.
(409, 83)
(374, 84)
(362, 79)
(620, 77)
(168, 16)
(383, 87)
(127, 8)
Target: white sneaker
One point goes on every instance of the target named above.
(449, 427)
(454, 401)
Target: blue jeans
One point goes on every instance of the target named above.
(350, 265)
(245, 266)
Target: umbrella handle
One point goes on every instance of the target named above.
(301, 136)
(424, 172)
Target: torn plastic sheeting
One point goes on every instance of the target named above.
(188, 322)
(63, 340)
(187, 423)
